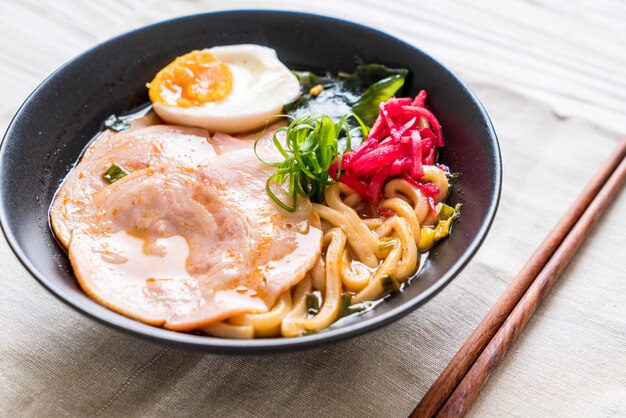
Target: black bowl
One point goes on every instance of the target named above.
(58, 119)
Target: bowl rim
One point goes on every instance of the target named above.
(135, 328)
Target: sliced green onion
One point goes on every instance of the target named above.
(312, 303)
(117, 124)
(347, 308)
(431, 235)
(346, 301)
(389, 283)
(311, 145)
(114, 173)
(445, 212)
(444, 226)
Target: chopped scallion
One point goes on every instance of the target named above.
(389, 283)
(431, 235)
(445, 212)
(348, 309)
(312, 303)
(311, 144)
(346, 301)
(114, 173)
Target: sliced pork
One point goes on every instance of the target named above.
(132, 150)
(181, 247)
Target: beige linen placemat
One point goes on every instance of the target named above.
(570, 361)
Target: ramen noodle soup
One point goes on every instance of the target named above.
(251, 201)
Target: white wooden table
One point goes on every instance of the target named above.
(568, 57)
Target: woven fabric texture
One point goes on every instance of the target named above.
(567, 59)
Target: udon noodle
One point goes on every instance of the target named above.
(362, 258)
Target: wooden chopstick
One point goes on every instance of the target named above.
(461, 363)
(469, 388)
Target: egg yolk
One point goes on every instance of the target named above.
(191, 80)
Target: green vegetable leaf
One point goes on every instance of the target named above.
(117, 124)
(360, 92)
(114, 173)
(366, 75)
(367, 106)
(374, 83)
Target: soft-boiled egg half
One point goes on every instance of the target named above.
(230, 89)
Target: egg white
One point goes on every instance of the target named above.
(261, 85)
